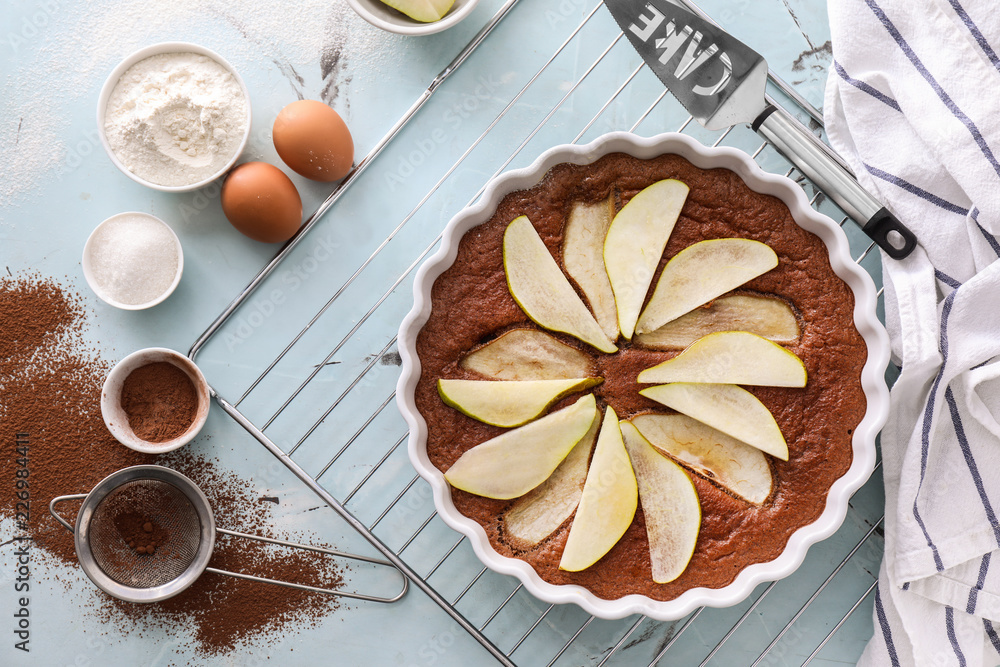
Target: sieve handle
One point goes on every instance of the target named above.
(303, 587)
(60, 499)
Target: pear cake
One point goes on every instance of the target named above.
(681, 380)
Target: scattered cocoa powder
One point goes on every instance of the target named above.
(50, 388)
(160, 401)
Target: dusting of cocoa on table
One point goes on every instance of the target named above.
(50, 389)
(160, 401)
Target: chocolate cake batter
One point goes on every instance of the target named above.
(471, 305)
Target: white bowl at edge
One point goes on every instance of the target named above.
(385, 17)
(154, 50)
(872, 376)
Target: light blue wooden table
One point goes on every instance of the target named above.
(570, 78)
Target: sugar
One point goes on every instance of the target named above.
(133, 259)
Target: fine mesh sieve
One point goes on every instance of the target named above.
(124, 511)
(146, 533)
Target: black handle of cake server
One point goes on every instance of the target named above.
(813, 159)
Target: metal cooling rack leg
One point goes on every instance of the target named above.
(837, 627)
(397, 562)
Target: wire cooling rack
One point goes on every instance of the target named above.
(310, 346)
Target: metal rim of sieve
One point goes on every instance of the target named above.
(83, 530)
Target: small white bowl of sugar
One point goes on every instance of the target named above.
(133, 261)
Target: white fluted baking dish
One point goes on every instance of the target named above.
(865, 319)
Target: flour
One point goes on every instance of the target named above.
(176, 118)
(54, 66)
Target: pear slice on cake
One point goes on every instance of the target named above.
(608, 504)
(507, 402)
(669, 504)
(542, 510)
(702, 272)
(731, 357)
(710, 453)
(541, 289)
(583, 256)
(766, 316)
(528, 354)
(727, 408)
(515, 462)
(635, 242)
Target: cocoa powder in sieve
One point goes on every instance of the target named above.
(140, 534)
(50, 388)
(160, 401)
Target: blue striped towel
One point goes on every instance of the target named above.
(913, 103)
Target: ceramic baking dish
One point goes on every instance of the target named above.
(872, 378)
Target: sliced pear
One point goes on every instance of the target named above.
(425, 11)
(727, 408)
(670, 506)
(517, 461)
(710, 453)
(583, 257)
(607, 506)
(765, 316)
(731, 357)
(508, 402)
(528, 354)
(701, 272)
(542, 510)
(635, 243)
(543, 292)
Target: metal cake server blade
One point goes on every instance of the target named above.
(722, 82)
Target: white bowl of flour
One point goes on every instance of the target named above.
(174, 116)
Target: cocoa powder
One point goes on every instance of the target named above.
(50, 388)
(160, 401)
(141, 535)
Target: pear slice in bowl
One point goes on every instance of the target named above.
(425, 11)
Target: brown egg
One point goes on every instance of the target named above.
(314, 141)
(262, 202)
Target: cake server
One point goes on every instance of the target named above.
(721, 82)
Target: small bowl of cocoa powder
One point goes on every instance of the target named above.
(155, 400)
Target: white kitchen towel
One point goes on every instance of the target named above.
(913, 104)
